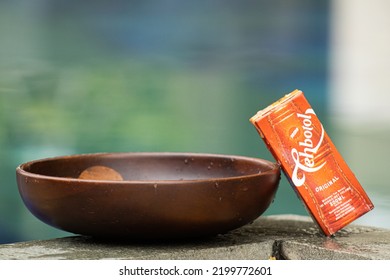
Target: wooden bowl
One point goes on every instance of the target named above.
(148, 195)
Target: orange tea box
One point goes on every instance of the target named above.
(315, 169)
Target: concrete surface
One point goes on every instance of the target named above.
(272, 237)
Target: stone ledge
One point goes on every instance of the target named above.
(280, 237)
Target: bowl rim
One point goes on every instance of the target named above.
(274, 167)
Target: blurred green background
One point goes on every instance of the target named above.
(110, 76)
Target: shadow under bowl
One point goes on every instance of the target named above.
(159, 195)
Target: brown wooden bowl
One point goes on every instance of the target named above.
(148, 195)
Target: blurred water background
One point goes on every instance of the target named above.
(184, 76)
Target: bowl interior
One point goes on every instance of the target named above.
(152, 166)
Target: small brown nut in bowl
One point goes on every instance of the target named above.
(148, 195)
